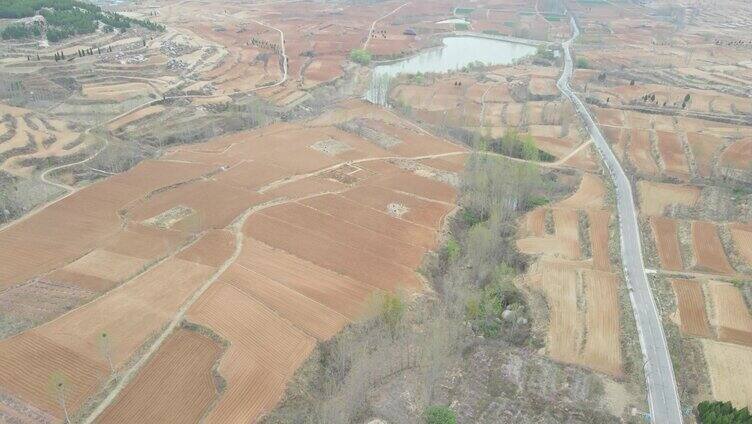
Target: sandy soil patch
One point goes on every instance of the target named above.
(107, 265)
(655, 197)
(730, 373)
(704, 148)
(135, 116)
(738, 155)
(732, 317)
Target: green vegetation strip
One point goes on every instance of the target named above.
(65, 18)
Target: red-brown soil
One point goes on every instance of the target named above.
(176, 386)
(691, 304)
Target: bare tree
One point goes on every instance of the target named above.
(58, 386)
(104, 346)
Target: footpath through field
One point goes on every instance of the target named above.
(659, 372)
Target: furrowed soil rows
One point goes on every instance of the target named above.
(340, 231)
(742, 236)
(340, 258)
(691, 304)
(732, 318)
(673, 156)
(590, 194)
(665, 231)
(31, 365)
(306, 314)
(340, 293)
(566, 222)
(399, 230)
(565, 323)
(535, 222)
(639, 152)
(730, 373)
(176, 386)
(599, 221)
(708, 248)
(106, 265)
(213, 249)
(420, 211)
(40, 243)
(264, 351)
(602, 349)
(70, 344)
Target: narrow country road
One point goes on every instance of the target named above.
(659, 372)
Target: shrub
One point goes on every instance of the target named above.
(360, 56)
(440, 414)
(392, 310)
(582, 63)
(452, 249)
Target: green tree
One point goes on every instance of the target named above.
(360, 56)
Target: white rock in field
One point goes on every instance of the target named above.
(507, 315)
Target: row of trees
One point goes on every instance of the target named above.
(516, 145)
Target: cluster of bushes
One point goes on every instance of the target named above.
(18, 31)
(516, 145)
(360, 56)
(66, 18)
(722, 413)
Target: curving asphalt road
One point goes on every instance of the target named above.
(659, 372)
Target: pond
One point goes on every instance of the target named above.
(454, 54)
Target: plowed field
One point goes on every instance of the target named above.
(655, 197)
(639, 152)
(730, 373)
(673, 156)
(742, 237)
(264, 351)
(691, 303)
(732, 317)
(665, 231)
(602, 349)
(176, 386)
(709, 252)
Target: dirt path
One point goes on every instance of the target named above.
(373, 25)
